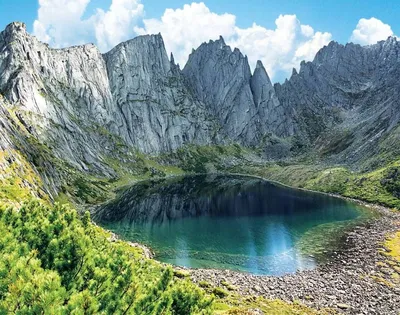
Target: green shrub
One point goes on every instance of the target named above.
(54, 263)
(219, 292)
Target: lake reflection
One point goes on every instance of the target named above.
(220, 221)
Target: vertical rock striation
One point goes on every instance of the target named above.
(83, 104)
(61, 94)
(220, 78)
(245, 104)
(346, 101)
(271, 113)
(159, 113)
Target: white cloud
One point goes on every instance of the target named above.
(280, 49)
(117, 24)
(186, 28)
(308, 49)
(60, 22)
(370, 31)
(283, 48)
(307, 30)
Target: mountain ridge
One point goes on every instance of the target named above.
(95, 110)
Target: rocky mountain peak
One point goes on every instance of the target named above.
(15, 27)
(74, 97)
(269, 110)
(259, 65)
(342, 88)
(157, 111)
(147, 51)
(217, 46)
(260, 71)
(391, 40)
(220, 78)
(137, 93)
(245, 104)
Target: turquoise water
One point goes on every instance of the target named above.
(229, 222)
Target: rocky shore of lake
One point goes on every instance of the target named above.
(360, 279)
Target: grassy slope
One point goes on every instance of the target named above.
(378, 186)
(18, 180)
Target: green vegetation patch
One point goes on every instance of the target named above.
(379, 186)
(236, 304)
(392, 244)
(55, 263)
(18, 180)
(204, 159)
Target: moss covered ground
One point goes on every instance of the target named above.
(234, 304)
(391, 266)
(393, 246)
(18, 180)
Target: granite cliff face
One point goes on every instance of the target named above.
(271, 113)
(92, 111)
(245, 104)
(346, 101)
(82, 103)
(158, 112)
(62, 95)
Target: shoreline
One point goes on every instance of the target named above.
(360, 202)
(355, 280)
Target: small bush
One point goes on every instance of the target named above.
(219, 292)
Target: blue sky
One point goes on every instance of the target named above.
(329, 20)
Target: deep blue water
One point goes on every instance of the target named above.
(229, 222)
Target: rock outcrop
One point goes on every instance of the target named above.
(220, 78)
(271, 113)
(158, 112)
(346, 101)
(245, 105)
(82, 103)
(62, 95)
